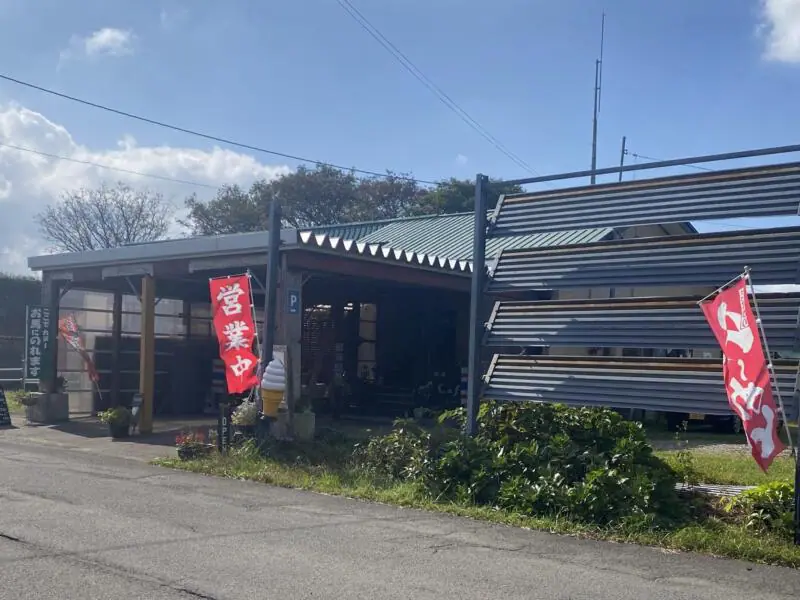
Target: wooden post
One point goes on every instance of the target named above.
(116, 347)
(147, 354)
(290, 329)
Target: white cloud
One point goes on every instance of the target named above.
(29, 181)
(780, 27)
(461, 159)
(108, 41)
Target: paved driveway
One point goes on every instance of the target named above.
(75, 524)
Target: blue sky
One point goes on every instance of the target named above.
(682, 77)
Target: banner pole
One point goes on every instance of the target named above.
(724, 286)
(253, 393)
(253, 311)
(770, 366)
(784, 416)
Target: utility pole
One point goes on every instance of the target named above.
(271, 293)
(622, 154)
(598, 88)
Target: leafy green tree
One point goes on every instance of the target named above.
(458, 195)
(325, 195)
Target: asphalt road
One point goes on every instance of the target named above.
(77, 525)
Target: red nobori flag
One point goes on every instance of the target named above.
(232, 313)
(745, 370)
(71, 334)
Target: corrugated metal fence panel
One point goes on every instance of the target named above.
(630, 323)
(751, 192)
(695, 260)
(669, 385)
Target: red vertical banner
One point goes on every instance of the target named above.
(745, 370)
(232, 313)
(71, 334)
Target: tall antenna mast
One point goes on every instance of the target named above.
(598, 91)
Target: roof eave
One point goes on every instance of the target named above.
(187, 248)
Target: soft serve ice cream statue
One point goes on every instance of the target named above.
(273, 386)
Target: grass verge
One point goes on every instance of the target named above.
(733, 468)
(326, 469)
(14, 405)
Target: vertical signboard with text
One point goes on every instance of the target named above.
(37, 341)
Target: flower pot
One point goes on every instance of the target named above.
(119, 430)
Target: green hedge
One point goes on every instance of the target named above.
(586, 464)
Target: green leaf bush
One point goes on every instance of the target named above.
(766, 508)
(587, 464)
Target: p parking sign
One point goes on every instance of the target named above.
(293, 302)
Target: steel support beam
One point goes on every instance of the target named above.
(475, 368)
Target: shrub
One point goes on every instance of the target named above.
(246, 414)
(118, 415)
(764, 508)
(392, 455)
(535, 459)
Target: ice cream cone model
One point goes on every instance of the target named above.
(273, 385)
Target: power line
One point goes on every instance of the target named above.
(200, 134)
(426, 81)
(698, 167)
(109, 167)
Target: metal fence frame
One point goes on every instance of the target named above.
(529, 220)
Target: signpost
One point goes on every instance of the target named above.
(224, 431)
(5, 416)
(37, 340)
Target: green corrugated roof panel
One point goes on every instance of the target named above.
(450, 236)
(351, 231)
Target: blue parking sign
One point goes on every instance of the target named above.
(293, 301)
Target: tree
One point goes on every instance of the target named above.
(233, 210)
(326, 195)
(105, 217)
(309, 197)
(458, 195)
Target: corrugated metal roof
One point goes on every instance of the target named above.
(351, 231)
(451, 236)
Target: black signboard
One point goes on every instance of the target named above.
(224, 428)
(797, 501)
(37, 340)
(5, 416)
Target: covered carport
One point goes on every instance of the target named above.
(146, 306)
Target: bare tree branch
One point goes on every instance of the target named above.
(105, 217)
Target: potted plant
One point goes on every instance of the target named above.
(118, 420)
(245, 418)
(191, 445)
